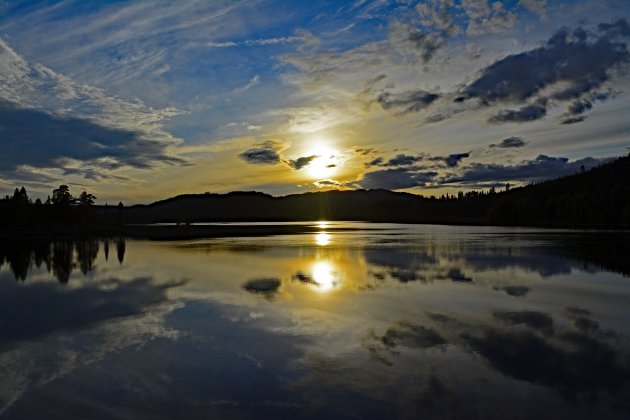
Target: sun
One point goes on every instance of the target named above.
(325, 164)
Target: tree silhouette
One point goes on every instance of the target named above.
(86, 199)
(61, 196)
(20, 197)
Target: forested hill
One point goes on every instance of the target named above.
(600, 196)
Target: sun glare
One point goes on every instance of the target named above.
(325, 164)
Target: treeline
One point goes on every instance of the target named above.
(366, 205)
(61, 209)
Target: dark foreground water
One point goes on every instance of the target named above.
(389, 321)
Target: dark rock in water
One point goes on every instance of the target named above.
(266, 287)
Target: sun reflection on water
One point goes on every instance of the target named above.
(325, 276)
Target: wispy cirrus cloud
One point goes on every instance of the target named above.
(253, 42)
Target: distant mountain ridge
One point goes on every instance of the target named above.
(600, 196)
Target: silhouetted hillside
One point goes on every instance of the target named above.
(369, 205)
(600, 196)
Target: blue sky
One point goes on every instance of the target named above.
(138, 101)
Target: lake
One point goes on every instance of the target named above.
(355, 320)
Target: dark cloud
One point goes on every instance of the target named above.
(301, 162)
(395, 179)
(451, 160)
(581, 60)
(37, 139)
(573, 120)
(579, 106)
(510, 142)
(411, 101)
(570, 66)
(375, 162)
(585, 103)
(524, 114)
(399, 160)
(543, 167)
(265, 154)
(403, 160)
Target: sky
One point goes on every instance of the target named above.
(137, 101)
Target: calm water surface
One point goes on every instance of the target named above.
(384, 321)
